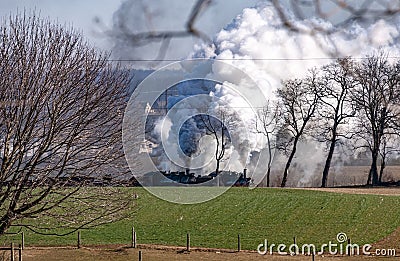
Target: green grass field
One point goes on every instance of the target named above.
(274, 214)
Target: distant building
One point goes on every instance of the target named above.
(146, 146)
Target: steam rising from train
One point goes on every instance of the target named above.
(257, 43)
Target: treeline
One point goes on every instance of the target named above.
(350, 102)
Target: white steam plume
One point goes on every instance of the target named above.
(257, 43)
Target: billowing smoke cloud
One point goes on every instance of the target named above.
(280, 54)
(257, 43)
(201, 110)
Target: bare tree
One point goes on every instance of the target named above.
(218, 129)
(269, 117)
(60, 129)
(337, 107)
(299, 100)
(376, 97)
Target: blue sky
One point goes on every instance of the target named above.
(79, 13)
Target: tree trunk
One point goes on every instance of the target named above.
(269, 161)
(373, 172)
(328, 161)
(369, 178)
(289, 162)
(383, 166)
(268, 176)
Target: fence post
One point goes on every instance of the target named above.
(79, 239)
(140, 255)
(135, 237)
(12, 252)
(22, 240)
(188, 242)
(20, 252)
(239, 245)
(313, 256)
(133, 243)
(132, 237)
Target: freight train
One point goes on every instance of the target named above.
(224, 178)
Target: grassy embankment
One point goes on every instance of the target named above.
(273, 214)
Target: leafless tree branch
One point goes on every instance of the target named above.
(60, 126)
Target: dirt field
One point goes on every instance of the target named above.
(150, 254)
(338, 176)
(357, 175)
(392, 191)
